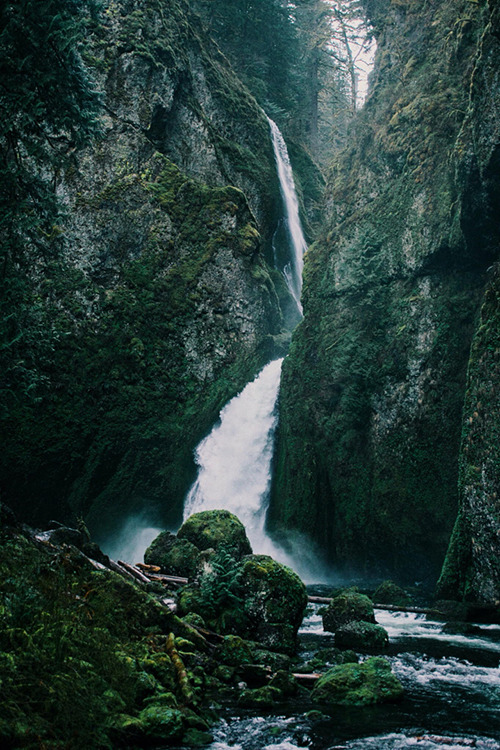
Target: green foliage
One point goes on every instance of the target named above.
(84, 658)
(220, 587)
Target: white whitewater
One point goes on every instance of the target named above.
(293, 269)
(235, 458)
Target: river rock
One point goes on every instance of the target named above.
(358, 684)
(234, 651)
(275, 599)
(212, 529)
(350, 606)
(178, 557)
(390, 593)
(362, 636)
(264, 697)
(158, 722)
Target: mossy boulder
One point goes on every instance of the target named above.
(197, 738)
(275, 599)
(362, 636)
(264, 697)
(212, 529)
(234, 651)
(179, 557)
(358, 684)
(350, 606)
(390, 593)
(159, 722)
(285, 682)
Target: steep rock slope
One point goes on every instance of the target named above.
(373, 389)
(155, 303)
(472, 566)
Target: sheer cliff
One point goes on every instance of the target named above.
(373, 389)
(150, 302)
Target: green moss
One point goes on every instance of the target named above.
(358, 684)
(347, 607)
(81, 652)
(211, 529)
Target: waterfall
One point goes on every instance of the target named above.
(235, 459)
(294, 267)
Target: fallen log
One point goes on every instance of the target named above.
(148, 568)
(166, 578)
(411, 610)
(133, 571)
(386, 607)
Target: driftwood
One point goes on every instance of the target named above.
(415, 610)
(133, 571)
(148, 568)
(387, 607)
(163, 578)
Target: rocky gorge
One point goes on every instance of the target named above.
(145, 268)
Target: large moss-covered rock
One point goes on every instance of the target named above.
(373, 388)
(274, 601)
(389, 592)
(350, 606)
(358, 684)
(212, 529)
(158, 722)
(362, 636)
(175, 556)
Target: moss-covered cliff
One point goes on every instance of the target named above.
(151, 302)
(472, 566)
(373, 389)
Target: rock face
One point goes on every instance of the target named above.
(157, 304)
(373, 389)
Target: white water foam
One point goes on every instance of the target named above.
(403, 625)
(235, 458)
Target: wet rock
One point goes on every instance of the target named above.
(350, 606)
(178, 557)
(212, 529)
(285, 682)
(275, 600)
(362, 636)
(264, 697)
(158, 722)
(358, 684)
(460, 628)
(234, 651)
(256, 675)
(390, 593)
(197, 738)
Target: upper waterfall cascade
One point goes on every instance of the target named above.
(293, 269)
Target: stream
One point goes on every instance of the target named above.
(452, 696)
